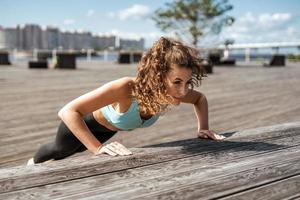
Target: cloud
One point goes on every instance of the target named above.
(135, 12)
(90, 13)
(265, 27)
(111, 15)
(273, 19)
(263, 21)
(68, 21)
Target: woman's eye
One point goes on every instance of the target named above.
(177, 82)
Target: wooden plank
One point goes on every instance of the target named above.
(23, 177)
(219, 180)
(235, 154)
(284, 189)
(271, 96)
(187, 179)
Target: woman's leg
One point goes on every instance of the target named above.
(65, 144)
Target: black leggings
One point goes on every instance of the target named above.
(67, 144)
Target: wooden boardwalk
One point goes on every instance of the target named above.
(239, 98)
(261, 163)
(169, 162)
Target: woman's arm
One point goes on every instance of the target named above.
(72, 113)
(201, 110)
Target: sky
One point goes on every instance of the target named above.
(256, 20)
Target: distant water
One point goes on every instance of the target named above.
(238, 57)
(253, 57)
(113, 57)
(110, 58)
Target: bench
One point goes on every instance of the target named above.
(124, 58)
(65, 60)
(216, 59)
(137, 56)
(277, 60)
(4, 58)
(228, 62)
(208, 67)
(38, 64)
(249, 164)
(129, 57)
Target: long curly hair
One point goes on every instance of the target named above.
(150, 87)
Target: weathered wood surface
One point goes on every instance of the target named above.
(239, 98)
(261, 163)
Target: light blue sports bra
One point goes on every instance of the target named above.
(128, 120)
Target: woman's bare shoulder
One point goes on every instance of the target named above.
(127, 80)
(127, 83)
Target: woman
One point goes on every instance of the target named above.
(166, 76)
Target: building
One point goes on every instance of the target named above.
(67, 40)
(83, 40)
(51, 38)
(32, 36)
(104, 42)
(2, 38)
(8, 38)
(130, 44)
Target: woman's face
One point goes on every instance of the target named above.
(178, 80)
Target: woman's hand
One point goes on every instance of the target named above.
(114, 149)
(207, 134)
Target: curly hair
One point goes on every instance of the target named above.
(149, 87)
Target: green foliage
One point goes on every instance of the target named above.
(100, 48)
(192, 19)
(228, 42)
(295, 58)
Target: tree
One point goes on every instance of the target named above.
(228, 42)
(192, 19)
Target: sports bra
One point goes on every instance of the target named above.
(128, 120)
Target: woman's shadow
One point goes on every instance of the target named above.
(197, 145)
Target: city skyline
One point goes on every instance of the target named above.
(262, 21)
(31, 36)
